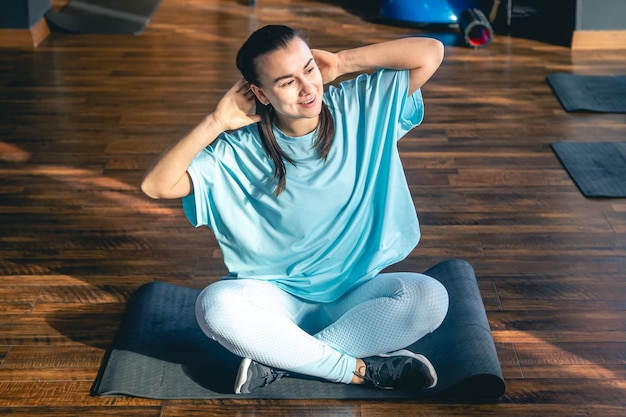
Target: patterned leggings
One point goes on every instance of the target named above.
(258, 320)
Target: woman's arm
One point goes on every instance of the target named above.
(421, 56)
(168, 178)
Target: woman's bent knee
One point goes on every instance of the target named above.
(437, 301)
(431, 301)
(217, 307)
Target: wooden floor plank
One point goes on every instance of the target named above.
(265, 409)
(83, 116)
(46, 411)
(61, 394)
(498, 410)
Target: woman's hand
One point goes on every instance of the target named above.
(237, 107)
(328, 64)
(168, 178)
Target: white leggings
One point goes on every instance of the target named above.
(258, 320)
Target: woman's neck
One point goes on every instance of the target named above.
(297, 128)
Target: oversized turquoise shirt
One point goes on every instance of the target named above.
(340, 221)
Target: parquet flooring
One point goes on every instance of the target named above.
(83, 116)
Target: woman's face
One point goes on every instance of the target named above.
(292, 84)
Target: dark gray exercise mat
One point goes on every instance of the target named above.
(160, 352)
(103, 16)
(598, 169)
(593, 93)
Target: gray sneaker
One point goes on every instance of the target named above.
(253, 375)
(400, 370)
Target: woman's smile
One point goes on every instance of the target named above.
(310, 102)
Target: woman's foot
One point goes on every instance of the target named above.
(253, 375)
(398, 370)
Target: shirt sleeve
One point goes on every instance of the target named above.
(394, 87)
(383, 95)
(195, 204)
(414, 110)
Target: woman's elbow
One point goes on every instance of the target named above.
(437, 53)
(442, 51)
(430, 62)
(155, 188)
(149, 189)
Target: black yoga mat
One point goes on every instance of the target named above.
(160, 352)
(593, 93)
(598, 169)
(103, 16)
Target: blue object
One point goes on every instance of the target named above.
(311, 247)
(425, 11)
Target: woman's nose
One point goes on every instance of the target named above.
(307, 87)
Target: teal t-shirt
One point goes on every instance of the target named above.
(339, 222)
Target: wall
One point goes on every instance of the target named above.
(22, 14)
(601, 15)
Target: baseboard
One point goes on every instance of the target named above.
(586, 40)
(24, 38)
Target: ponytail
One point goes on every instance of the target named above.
(265, 40)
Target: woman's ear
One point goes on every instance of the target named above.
(259, 94)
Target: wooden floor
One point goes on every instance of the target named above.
(82, 117)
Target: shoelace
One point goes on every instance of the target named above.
(271, 376)
(382, 375)
(388, 371)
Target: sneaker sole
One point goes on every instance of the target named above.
(421, 358)
(242, 374)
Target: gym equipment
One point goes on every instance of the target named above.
(464, 14)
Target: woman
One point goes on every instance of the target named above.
(308, 201)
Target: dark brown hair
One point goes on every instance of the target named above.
(265, 40)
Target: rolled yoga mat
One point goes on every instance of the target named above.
(160, 352)
(103, 16)
(593, 93)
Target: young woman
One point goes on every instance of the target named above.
(305, 193)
